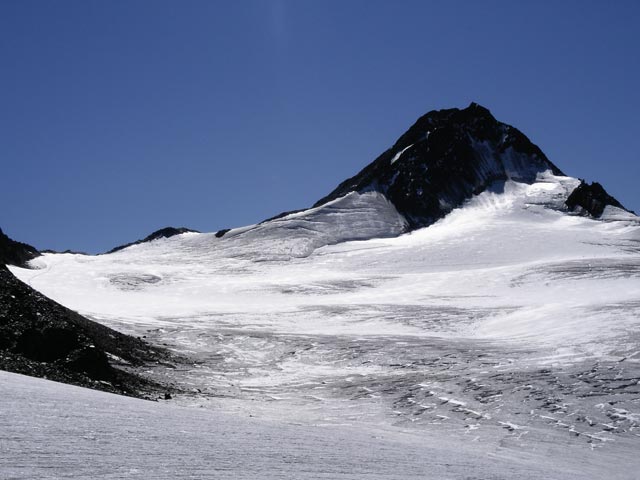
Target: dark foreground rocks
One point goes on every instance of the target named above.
(15, 253)
(41, 338)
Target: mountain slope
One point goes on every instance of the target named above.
(511, 322)
(507, 322)
(15, 253)
(445, 158)
(41, 338)
(355, 216)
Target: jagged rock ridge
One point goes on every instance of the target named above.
(166, 232)
(591, 199)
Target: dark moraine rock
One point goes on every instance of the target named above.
(41, 338)
(15, 253)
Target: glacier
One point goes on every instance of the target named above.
(51, 431)
(501, 341)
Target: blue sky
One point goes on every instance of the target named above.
(121, 117)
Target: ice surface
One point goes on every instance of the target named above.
(51, 430)
(507, 313)
(356, 216)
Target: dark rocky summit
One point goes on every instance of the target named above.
(448, 156)
(166, 232)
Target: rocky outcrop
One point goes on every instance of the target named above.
(591, 199)
(166, 232)
(41, 338)
(15, 253)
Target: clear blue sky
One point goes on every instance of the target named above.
(120, 117)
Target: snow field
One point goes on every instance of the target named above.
(509, 324)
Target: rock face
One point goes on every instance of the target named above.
(15, 253)
(591, 199)
(448, 156)
(41, 338)
(162, 233)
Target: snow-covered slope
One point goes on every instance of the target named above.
(512, 322)
(508, 322)
(508, 273)
(498, 253)
(50, 431)
(356, 216)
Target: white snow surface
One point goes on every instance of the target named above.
(505, 251)
(51, 431)
(356, 216)
(397, 156)
(507, 313)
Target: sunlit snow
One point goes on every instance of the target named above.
(508, 324)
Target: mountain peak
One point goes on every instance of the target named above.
(445, 158)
